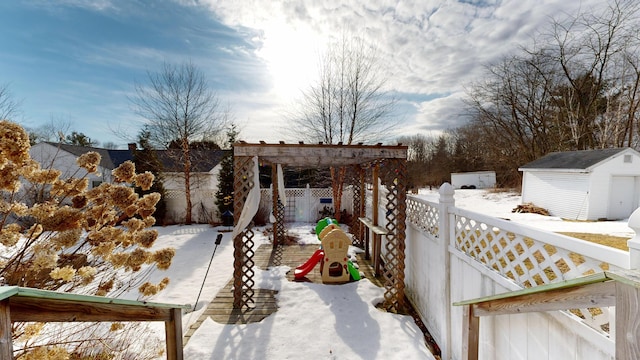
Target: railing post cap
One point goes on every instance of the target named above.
(634, 220)
(447, 190)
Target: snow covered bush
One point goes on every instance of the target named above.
(73, 239)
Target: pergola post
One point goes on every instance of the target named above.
(376, 195)
(278, 208)
(243, 242)
(393, 176)
(359, 200)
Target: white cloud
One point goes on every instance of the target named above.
(426, 47)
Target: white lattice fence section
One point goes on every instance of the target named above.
(530, 257)
(307, 204)
(295, 198)
(423, 215)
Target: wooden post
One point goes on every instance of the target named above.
(361, 210)
(173, 333)
(627, 322)
(374, 214)
(6, 345)
(470, 333)
(274, 206)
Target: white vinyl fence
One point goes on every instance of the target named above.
(308, 204)
(454, 255)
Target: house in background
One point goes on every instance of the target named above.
(205, 167)
(584, 185)
(204, 175)
(63, 157)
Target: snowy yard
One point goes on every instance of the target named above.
(314, 321)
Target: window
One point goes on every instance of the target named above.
(627, 159)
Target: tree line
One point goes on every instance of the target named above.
(576, 88)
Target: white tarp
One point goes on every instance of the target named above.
(251, 204)
(281, 193)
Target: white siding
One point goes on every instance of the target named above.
(565, 195)
(51, 157)
(479, 179)
(605, 190)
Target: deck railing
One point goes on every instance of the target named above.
(18, 304)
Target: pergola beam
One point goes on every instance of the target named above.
(319, 155)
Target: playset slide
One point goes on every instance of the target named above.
(305, 268)
(355, 273)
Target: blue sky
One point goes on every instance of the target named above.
(78, 60)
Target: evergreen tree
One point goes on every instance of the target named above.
(147, 160)
(224, 195)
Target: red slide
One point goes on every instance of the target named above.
(305, 268)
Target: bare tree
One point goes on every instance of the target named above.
(179, 107)
(55, 130)
(596, 52)
(349, 104)
(9, 106)
(577, 88)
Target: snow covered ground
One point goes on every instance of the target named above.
(314, 321)
(500, 204)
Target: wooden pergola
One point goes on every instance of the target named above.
(386, 163)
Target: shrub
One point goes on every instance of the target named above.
(74, 239)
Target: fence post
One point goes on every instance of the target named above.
(634, 243)
(444, 234)
(307, 203)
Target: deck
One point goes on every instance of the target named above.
(221, 308)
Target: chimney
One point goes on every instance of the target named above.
(132, 147)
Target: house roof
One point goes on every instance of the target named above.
(581, 159)
(105, 161)
(171, 159)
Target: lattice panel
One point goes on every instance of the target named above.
(281, 231)
(321, 193)
(294, 193)
(528, 262)
(423, 215)
(243, 243)
(392, 174)
(356, 180)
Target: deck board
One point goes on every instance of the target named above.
(221, 307)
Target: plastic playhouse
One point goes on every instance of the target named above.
(335, 266)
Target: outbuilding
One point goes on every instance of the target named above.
(599, 184)
(473, 180)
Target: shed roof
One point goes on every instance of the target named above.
(580, 159)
